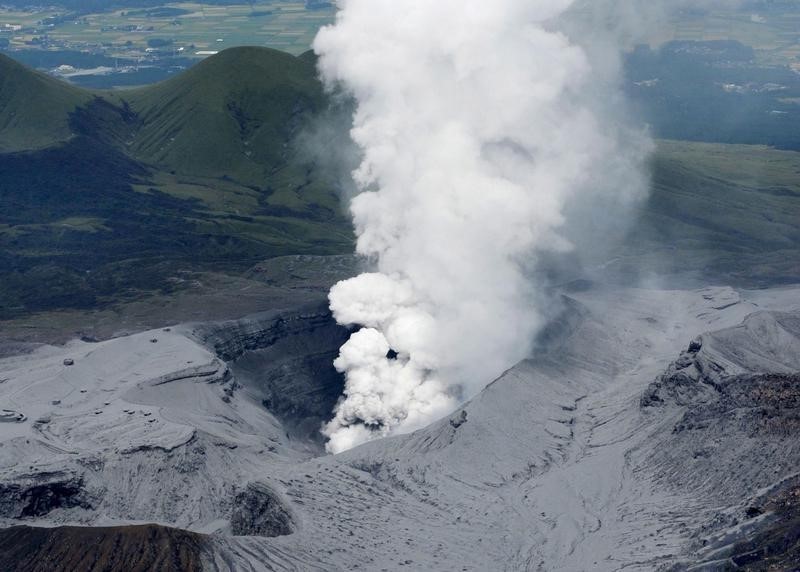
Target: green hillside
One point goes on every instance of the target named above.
(34, 108)
(111, 193)
(720, 213)
(234, 117)
(229, 115)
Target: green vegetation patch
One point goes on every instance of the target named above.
(199, 173)
(728, 213)
(34, 108)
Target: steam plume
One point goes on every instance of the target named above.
(482, 127)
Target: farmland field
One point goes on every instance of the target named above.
(185, 28)
(773, 33)
(193, 30)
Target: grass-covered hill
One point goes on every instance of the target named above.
(103, 193)
(34, 108)
(721, 214)
(230, 115)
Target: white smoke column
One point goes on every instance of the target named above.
(478, 128)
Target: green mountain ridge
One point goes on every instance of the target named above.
(104, 192)
(34, 108)
(231, 114)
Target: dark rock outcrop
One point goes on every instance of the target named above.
(260, 512)
(694, 377)
(231, 339)
(107, 549)
(776, 545)
(285, 359)
(771, 542)
(42, 493)
(458, 420)
(766, 343)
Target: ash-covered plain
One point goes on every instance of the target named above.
(652, 429)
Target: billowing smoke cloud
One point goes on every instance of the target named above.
(483, 128)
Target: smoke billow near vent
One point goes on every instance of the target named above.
(477, 148)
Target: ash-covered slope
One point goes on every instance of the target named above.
(735, 395)
(283, 360)
(631, 439)
(555, 466)
(152, 427)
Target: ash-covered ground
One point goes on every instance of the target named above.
(651, 429)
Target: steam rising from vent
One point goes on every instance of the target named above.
(482, 127)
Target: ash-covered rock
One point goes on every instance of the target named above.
(41, 493)
(776, 544)
(694, 377)
(260, 512)
(758, 405)
(231, 339)
(285, 359)
(734, 396)
(767, 342)
(458, 420)
(763, 537)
